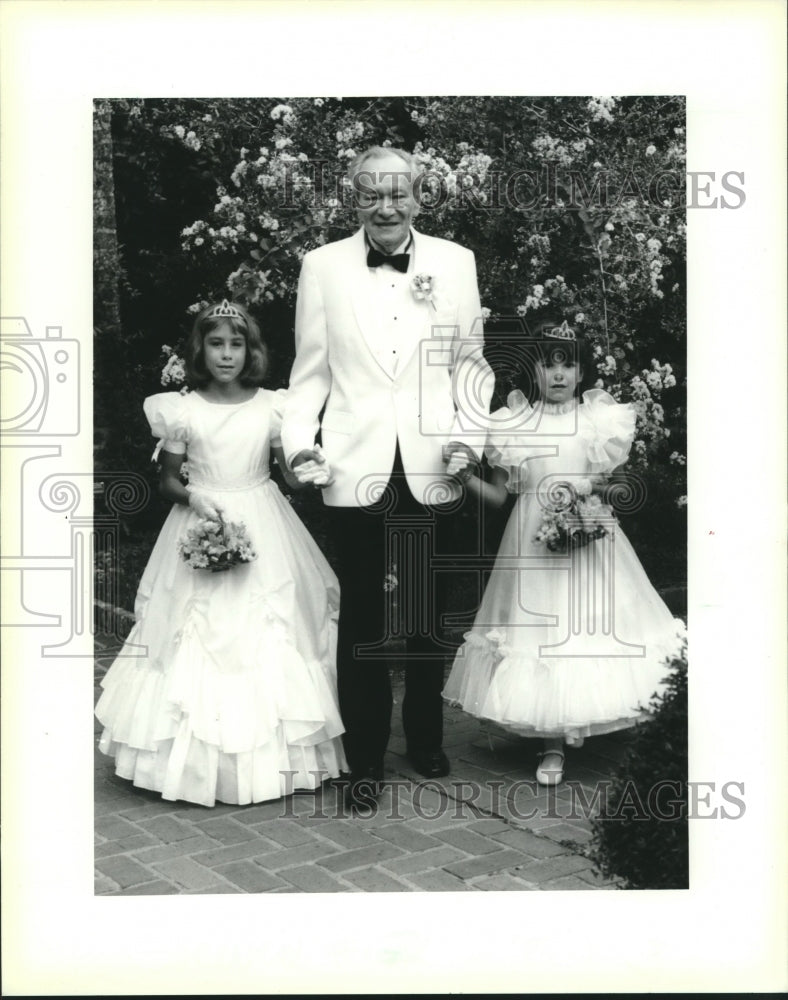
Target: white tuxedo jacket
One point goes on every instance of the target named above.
(441, 390)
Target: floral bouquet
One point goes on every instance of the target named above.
(216, 545)
(577, 516)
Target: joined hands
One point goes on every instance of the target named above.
(460, 461)
(310, 466)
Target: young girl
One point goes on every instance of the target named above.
(226, 686)
(566, 644)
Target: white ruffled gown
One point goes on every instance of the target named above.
(226, 685)
(562, 645)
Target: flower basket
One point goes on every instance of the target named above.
(575, 516)
(216, 545)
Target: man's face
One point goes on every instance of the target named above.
(385, 202)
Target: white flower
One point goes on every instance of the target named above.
(582, 487)
(180, 131)
(173, 371)
(580, 318)
(650, 150)
(486, 313)
(422, 287)
(600, 108)
(681, 501)
(319, 102)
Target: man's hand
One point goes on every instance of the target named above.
(310, 466)
(307, 455)
(460, 461)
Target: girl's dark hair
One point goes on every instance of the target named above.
(256, 362)
(540, 346)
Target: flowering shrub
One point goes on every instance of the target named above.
(642, 836)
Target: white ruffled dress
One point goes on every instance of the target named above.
(563, 645)
(225, 688)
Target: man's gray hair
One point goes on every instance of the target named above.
(376, 153)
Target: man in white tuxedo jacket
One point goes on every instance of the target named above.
(389, 351)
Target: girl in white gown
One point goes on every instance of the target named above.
(565, 644)
(226, 686)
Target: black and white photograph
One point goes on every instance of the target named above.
(369, 431)
(478, 305)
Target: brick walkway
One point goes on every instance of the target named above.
(485, 827)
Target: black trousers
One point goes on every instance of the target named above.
(393, 589)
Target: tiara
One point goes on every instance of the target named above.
(562, 332)
(224, 311)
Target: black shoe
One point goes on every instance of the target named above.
(363, 790)
(430, 763)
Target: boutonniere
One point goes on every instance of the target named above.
(422, 287)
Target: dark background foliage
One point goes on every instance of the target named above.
(643, 837)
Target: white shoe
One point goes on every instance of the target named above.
(550, 770)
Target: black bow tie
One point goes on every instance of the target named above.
(399, 261)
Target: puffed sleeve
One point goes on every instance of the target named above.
(277, 412)
(609, 429)
(507, 446)
(167, 414)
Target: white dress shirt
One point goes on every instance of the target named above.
(392, 289)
